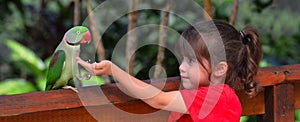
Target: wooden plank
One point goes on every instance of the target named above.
(87, 114)
(279, 105)
(110, 105)
(269, 76)
(38, 101)
(251, 106)
(292, 73)
(64, 99)
(59, 115)
(60, 103)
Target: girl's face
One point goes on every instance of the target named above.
(193, 74)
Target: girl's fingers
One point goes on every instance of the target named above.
(89, 67)
(96, 68)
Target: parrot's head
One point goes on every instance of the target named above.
(78, 35)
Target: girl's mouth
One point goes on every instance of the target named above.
(184, 77)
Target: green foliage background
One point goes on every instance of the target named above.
(31, 30)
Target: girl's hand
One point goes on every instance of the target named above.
(103, 67)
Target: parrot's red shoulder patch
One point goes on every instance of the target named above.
(54, 58)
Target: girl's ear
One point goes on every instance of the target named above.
(220, 69)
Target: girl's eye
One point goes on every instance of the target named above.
(188, 60)
(191, 61)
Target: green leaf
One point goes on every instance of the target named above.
(24, 58)
(228, 1)
(15, 86)
(94, 80)
(244, 118)
(41, 82)
(264, 63)
(297, 115)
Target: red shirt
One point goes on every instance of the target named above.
(217, 103)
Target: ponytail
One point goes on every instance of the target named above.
(249, 56)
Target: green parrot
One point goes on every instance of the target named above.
(61, 67)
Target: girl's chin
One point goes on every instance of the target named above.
(187, 85)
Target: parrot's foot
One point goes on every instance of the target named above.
(70, 87)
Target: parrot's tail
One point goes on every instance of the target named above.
(48, 87)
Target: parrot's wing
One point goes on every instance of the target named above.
(55, 68)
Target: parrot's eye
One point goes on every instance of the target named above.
(78, 32)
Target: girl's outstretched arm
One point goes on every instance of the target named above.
(153, 96)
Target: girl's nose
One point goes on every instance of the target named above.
(181, 68)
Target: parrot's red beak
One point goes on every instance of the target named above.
(87, 38)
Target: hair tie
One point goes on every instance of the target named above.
(244, 40)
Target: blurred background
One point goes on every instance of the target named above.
(31, 30)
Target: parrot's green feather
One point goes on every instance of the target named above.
(55, 68)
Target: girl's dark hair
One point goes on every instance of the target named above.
(243, 50)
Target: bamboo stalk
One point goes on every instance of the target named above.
(208, 14)
(234, 12)
(162, 40)
(132, 37)
(76, 12)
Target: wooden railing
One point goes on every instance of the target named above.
(277, 101)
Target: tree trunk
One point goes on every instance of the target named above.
(234, 12)
(162, 40)
(76, 12)
(132, 37)
(208, 14)
(96, 37)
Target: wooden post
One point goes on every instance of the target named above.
(279, 103)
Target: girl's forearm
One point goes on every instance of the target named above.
(153, 96)
(136, 87)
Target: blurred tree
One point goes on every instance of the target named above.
(76, 12)
(234, 12)
(132, 42)
(207, 6)
(162, 40)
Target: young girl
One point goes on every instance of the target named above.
(208, 74)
